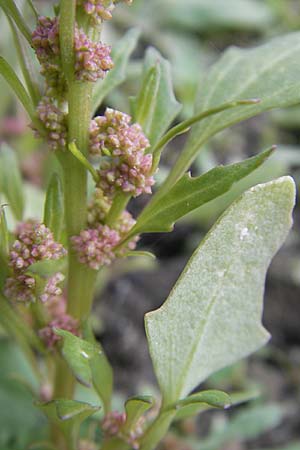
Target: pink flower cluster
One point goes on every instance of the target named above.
(92, 59)
(64, 322)
(95, 246)
(113, 424)
(126, 167)
(34, 243)
(99, 10)
(55, 123)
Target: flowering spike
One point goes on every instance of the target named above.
(64, 322)
(95, 246)
(92, 59)
(34, 243)
(55, 123)
(99, 10)
(128, 168)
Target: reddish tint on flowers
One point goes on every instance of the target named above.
(45, 39)
(55, 122)
(34, 243)
(92, 59)
(95, 246)
(64, 322)
(126, 167)
(98, 10)
(113, 422)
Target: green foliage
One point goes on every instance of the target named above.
(244, 73)
(135, 407)
(217, 302)
(10, 8)
(120, 54)
(164, 107)
(54, 207)
(190, 193)
(88, 364)
(11, 180)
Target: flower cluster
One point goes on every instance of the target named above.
(92, 59)
(95, 246)
(55, 123)
(64, 322)
(34, 243)
(113, 424)
(99, 10)
(126, 167)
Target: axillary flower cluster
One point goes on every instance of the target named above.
(117, 145)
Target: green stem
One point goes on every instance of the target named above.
(118, 206)
(157, 430)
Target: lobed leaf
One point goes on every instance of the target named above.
(190, 193)
(212, 317)
(120, 55)
(268, 72)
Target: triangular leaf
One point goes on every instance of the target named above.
(212, 317)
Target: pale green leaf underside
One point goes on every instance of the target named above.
(212, 317)
(269, 72)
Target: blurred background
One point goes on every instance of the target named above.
(191, 34)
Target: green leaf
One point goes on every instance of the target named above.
(235, 398)
(88, 364)
(144, 105)
(11, 78)
(135, 407)
(47, 267)
(120, 55)
(11, 181)
(25, 56)
(166, 107)
(212, 398)
(54, 207)
(190, 193)
(67, 414)
(268, 72)
(11, 10)
(4, 248)
(212, 317)
(203, 15)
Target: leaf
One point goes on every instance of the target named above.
(190, 193)
(47, 267)
(11, 181)
(54, 207)
(135, 407)
(12, 79)
(213, 398)
(166, 107)
(67, 414)
(88, 364)
(11, 10)
(203, 15)
(25, 57)
(4, 235)
(120, 55)
(235, 398)
(268, 72)
(212, 317)
(144, 105)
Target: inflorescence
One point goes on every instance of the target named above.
(34, 242)
(124, 166)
